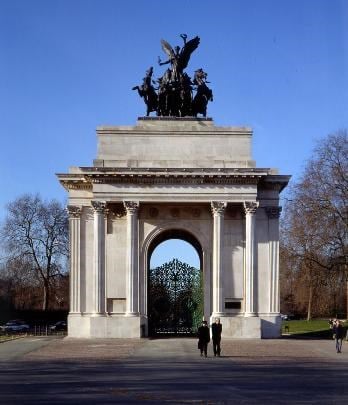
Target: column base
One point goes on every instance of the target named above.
(217, 315)
(271, 326)
(239, 327)
(249, 314)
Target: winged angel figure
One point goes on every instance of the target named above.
(179, 58)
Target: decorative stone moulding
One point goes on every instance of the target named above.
(175, 212)
(196, 212)
(74, 211)
(273, 212)
(99, 206)
(153, 212)
(250, 207)
(131, 206)
(118, 212)
(218, 207)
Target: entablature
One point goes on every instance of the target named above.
(85, 177)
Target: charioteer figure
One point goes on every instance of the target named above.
(147, 91)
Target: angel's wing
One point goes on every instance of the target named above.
(167, 48)
(186, 51)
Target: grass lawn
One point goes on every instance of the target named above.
(4, 338)
(314, 327)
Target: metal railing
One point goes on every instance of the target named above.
(35, 330)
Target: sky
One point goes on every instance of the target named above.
(68, 66)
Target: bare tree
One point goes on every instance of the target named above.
(35, 235)
(21, 282)
(315, 225)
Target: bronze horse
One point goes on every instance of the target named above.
(200, 101)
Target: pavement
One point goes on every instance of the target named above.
(171, 371)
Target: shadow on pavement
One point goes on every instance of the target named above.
(173, 381)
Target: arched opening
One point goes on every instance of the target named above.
(175, 284)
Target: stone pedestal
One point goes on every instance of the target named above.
(115, 326)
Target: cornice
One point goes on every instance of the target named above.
(169, 170)
(164, 127)
(76, 186)
(75, 182)
(275, 182)
(95, 175)
(133, 179)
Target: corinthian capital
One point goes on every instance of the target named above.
(273, 212)
(218, 207)
(131, 206)
(250, 207)
(74, 211)
(99, 206)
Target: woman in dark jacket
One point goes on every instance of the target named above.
(203, 338)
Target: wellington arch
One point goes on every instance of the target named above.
(173, 177)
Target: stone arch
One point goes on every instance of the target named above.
(175, 233)
(188, 233)
(170, 226)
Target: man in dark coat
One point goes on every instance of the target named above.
(203, 338)
(216, 332)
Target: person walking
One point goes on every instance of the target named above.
(216, 333)
(203, 338)
(339, 335)
(331, 322)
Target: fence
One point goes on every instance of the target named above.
(35, 330)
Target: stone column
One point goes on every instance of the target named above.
(218, 210)
(273, 235)
(132, 307)
(250, 208)
(75, 269)
(99, 257)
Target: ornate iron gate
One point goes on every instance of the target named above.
(175, 299)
